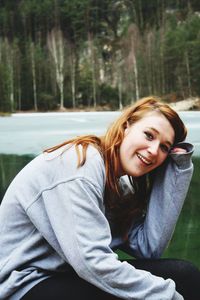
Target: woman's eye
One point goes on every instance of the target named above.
(165, 148)
(148, 135)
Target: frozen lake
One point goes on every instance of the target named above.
(31, 133)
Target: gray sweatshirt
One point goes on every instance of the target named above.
(53, 216)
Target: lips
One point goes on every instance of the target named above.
(144, 159)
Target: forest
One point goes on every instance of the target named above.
(97, 54)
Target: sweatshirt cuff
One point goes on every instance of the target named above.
(183, 160)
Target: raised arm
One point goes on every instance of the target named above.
(150, 237)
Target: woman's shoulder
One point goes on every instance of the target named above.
(65, 162)
(94, 167)
(71, 150)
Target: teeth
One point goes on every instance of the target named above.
(143, 159)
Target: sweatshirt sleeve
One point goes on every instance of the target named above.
(83, 233)
(150, 237)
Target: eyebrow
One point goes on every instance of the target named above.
(152, 128)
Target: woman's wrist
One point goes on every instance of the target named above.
(181, 155)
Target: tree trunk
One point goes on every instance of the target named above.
(11, 88)
(56, 46)
(72, 68)
(120, 90)
(73, 82)
(33, 71)
(181, 86)
(92, 55)
(162, 60)
(10, 66)
(188, 73)
(133, 44)
(135, 69)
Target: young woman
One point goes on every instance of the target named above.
(68, 210)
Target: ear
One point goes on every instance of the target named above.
(126, 129)
(127, 125)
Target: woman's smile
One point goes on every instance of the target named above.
(146, 144)
(143, 159)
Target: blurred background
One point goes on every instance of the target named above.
(97, 54)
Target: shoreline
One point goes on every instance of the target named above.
(191, 104)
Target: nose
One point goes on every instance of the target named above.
(153, 148)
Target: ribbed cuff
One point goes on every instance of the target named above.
(183, 160)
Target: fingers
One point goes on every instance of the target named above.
(178, 150)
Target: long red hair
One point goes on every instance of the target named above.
(124, 210)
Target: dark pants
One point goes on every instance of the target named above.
(71, 287)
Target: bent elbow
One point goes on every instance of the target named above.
(146, 250)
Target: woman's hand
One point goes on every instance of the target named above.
(178, 150)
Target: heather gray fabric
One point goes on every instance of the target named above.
(53, 215)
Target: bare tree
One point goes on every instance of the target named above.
(33, 71)
(188, 73)
(55, 42)
(9, 56)
(132, 43)
(93, 68)
(119, 73)
(72, 66)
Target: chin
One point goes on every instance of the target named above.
(134, 174)
(138, 174)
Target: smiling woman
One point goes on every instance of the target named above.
(146, 144)
(67, 211)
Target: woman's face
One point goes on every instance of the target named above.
(146, 145)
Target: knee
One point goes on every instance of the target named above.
(187, 268)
